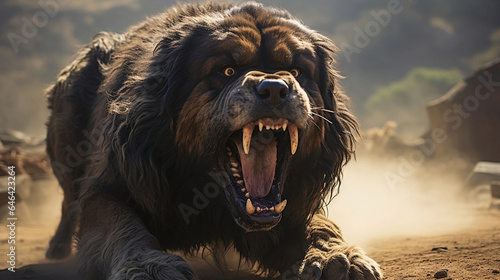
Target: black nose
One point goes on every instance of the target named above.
(273, 90)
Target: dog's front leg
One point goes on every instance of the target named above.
(329, 257)
(114, 244)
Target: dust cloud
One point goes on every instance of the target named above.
(45, 200)
(372, 205)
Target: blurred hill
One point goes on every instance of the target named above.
(383, 42)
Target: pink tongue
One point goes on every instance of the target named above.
(258, 168)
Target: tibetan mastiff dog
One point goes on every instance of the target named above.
(207, 126)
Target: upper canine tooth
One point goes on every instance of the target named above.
(261, 125)
(249, 207)
(284, 126)
(294, 138)
(279, 207)
(247, 136)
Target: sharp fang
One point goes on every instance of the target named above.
(247, 136)
(280, 207)
(249, 207)
(294, 138)
(261, 125)
(284, 126)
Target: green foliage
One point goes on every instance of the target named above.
(492, 52)
(419, 86)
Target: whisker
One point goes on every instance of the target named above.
(315, 124)
(322, 109)
(330, 122)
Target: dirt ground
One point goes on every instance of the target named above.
(468, 252)
(471, 253)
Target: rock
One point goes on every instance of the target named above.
(468, 140)
(439, 249)
(443, 273)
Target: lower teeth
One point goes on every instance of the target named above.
(251, 209)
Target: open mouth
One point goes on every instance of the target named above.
(258, 157)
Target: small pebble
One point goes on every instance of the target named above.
(441, 274)
(439, 249)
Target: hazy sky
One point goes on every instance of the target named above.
(381, 41)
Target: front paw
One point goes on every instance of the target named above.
(341, 263)
(155, 265)
(358, 267)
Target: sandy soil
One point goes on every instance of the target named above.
(471, 251)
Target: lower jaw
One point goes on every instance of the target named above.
(253, 224)
(259, 221)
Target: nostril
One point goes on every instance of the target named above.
(273, 90)
(264, 93)
(284, 92)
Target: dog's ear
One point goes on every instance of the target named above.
(341, 129)
(141, 120)
(148, 92)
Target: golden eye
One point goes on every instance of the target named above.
(229, 71)
(295, 72)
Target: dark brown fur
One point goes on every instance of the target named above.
(139, 123)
